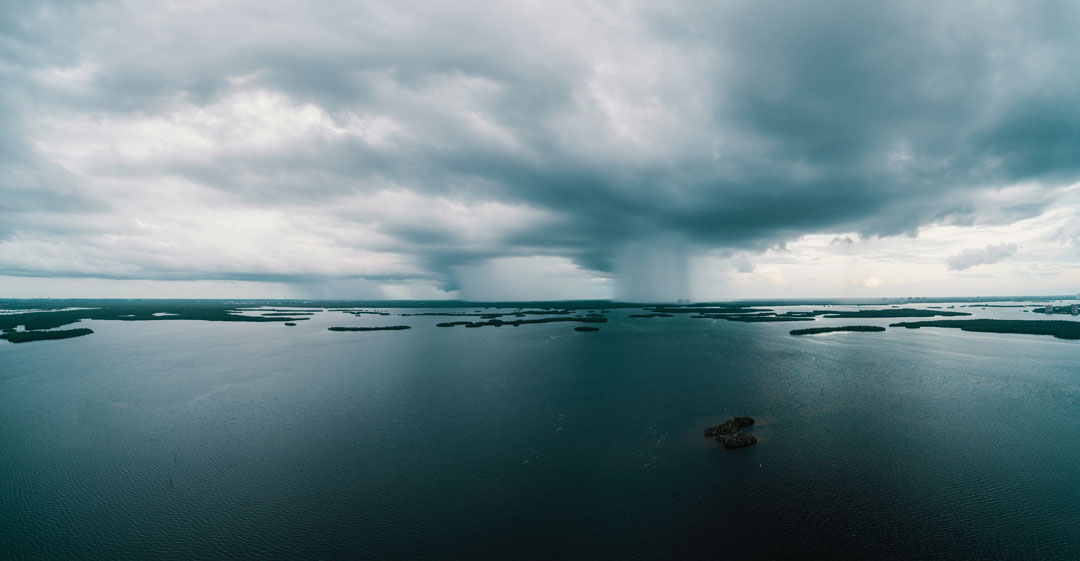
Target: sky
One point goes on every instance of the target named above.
(643, 151)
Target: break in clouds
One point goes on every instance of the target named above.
(430, 144)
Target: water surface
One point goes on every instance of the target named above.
(204, 440)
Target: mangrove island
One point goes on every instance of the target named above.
(729, 434)
(1058, 328)
(816, 330)
(383, 328)
(27, 336)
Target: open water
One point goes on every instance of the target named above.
(203, 440)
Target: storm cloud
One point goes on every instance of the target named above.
(408, 142)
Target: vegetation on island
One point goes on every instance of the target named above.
(45, 314)
(462, 314)
(357, 312)
(706, 310)
(1062, 329)
(290, 324)
(889, 313)
(816, 330)
(586, 328)
(729, 433)
(494, 315)
(517, 322)
(27, 336)
(381, 328)
(752, 318)
(800, 314)
(761, 315)
(266, 311)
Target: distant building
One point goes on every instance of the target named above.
(1074, 309)
(1049, 309)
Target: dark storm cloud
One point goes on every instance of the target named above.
(735, 125)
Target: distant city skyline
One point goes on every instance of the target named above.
(539, 151)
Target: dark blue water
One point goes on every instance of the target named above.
(199, 440)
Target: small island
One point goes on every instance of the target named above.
(586, 328)
(729, 434)
(27, 336)
(383, 328)
(290, 324)
(1057, 328)
(816, 330)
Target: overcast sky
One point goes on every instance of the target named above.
(539, 150)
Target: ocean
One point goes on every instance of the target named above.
(215, 440)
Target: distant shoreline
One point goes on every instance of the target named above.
(55, 303)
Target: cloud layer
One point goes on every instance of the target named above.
(420, 142)
(987, 256)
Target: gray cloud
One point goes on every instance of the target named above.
(737, 126)
(987, 256)
(743, 264)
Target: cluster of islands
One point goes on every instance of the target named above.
(24, 321)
